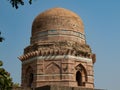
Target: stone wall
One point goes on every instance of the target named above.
(55, 87)
(19, 88)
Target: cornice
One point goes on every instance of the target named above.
(57, 48)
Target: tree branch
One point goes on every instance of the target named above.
(16, 3)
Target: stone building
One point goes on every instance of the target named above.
(58, 53)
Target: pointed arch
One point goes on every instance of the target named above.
(52, 68)
(81, 75)
(29, 76)
(29, 69)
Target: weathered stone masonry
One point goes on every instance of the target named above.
(58, 53)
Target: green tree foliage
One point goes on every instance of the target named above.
(16, 3)
(16, 85)
(5, 79)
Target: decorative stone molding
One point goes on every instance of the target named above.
(56, 58)
(57, 48)
(58, 45)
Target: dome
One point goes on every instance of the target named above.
(57, 12)
(57, 20)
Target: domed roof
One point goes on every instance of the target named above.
(58, 18)
(57, 23)
(57, 12)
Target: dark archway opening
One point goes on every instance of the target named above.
(30, 79)
(79, 78)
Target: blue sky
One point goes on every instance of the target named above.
(101, 19)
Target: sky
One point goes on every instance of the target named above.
(101, 20)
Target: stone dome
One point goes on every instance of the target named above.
(56, 20)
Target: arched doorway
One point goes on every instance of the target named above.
(81, 75)
(79, 78)
(29, 77)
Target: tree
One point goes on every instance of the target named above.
(1, 38)
(15, 3)
(16, 85)
(5, 79)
